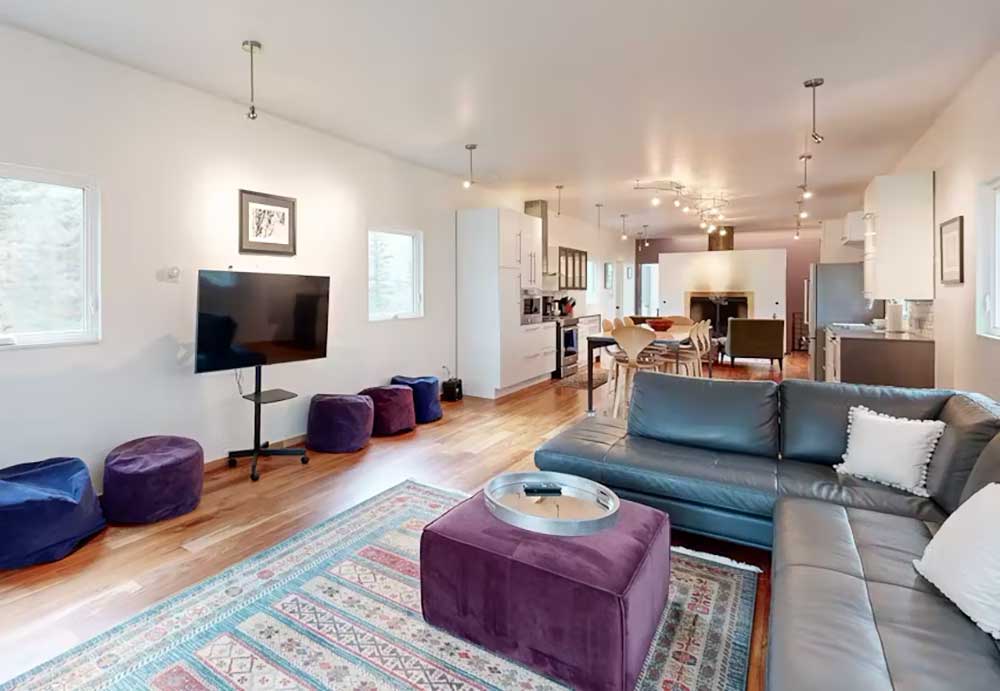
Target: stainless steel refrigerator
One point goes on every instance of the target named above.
(834, 294)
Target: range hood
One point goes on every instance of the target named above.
(539, 208)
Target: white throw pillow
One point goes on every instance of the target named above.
(963, 559)
(890, 450)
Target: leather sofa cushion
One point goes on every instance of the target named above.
(816, 481)
(986, 470)
(814, 414)
(846, 613)
(599, 449)
(736, 416)
(972, 421)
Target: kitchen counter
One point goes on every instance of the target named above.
(870, 334)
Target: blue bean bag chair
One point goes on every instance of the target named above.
(46, 510)
(426, 396)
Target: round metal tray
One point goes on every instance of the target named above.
(583, 506)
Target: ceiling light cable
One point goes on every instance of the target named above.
(559, 189)
(814, 84)
(251, 46)
(470, 181)
(624, 232)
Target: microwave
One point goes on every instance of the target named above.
(531, 307)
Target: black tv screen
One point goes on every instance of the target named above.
(249, 319)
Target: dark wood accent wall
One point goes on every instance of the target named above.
(716, 241)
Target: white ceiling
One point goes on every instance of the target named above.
(591, 94)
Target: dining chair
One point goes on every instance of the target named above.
(693, 355)
(608, 326)
(633, 342)
(628, 321)
(618, 323)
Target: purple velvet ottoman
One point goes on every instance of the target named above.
(152, 478)
(339, 423)
(394, 412)
(581, 609)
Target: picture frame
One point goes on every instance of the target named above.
(951, 251)
(267, 224)
(609, 276)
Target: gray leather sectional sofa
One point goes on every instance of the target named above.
(751, 462)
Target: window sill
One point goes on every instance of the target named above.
(54, 343)
(987, 334)
(395, 318)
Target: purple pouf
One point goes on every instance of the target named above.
(394, 411)
(46, 510)
(339, 423)
(152, 479)
(426, 396)
(581, 609)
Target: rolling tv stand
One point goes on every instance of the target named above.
(259, 398)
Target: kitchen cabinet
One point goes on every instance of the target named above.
(866, 356)
(509, 237)
(531, 251)
(853, 230)
(498, 255)
(572, 269)
(899, 237)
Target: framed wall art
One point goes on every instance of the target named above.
(951, 251)
(267, 223)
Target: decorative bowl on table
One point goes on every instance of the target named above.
(660, 324)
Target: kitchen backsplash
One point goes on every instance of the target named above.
(921, 315)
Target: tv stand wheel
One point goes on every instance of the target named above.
(231, 462)
(305, 460)
(265, 445)
(254, 475)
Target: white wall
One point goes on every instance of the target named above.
(604, 245)
(761, 272)
(169, 161)
(963, 147)
(832, 250)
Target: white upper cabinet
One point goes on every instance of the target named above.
(531, 251)
(511, 245)
(853, 230)
(899, 237)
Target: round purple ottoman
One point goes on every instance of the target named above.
(339, 423)
(152, 478)
(426, 396)
(394, 411)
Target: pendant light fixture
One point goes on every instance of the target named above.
(645, 235)
(804, 187)
(814, 84)
(723, 232)
(802, 212)
(559, 189)
(624, 232)
(251, 47)
(599, 207)
(470, 181)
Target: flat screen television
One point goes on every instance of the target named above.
(249, 319)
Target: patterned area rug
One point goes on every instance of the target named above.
(579, 380)
(338, 606)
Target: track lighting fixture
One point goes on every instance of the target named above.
(804, 187)
(802, 212)
(645, 235)
(723, 232)
(559, 189)
(703, 225)
(686, 209)
(712, 228)
(656, 201)
(677, 202)
(798, 229)
(469, 181)
(814, 84)
(251, 47)
(624, 232)
(599, 207)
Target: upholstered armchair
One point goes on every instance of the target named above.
(756, 338)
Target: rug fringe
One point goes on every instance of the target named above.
(725, 561)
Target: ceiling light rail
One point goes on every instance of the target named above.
(706, 207)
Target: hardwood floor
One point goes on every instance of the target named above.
(49, 608)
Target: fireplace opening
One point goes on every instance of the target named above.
(719, 308)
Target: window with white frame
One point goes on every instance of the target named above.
(988, 276)
(395, 274)
(49, 258)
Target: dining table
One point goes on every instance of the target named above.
(672, 338)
